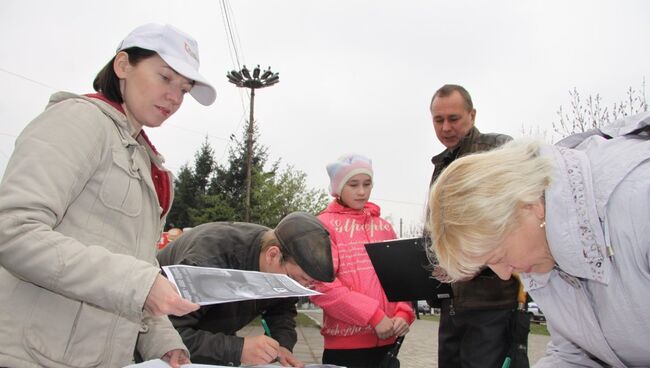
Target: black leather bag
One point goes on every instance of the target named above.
(390, 360)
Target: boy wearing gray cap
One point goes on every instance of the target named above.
(299, 247)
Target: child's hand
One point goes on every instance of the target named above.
(384, 329)
(400, 326)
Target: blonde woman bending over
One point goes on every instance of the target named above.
(574, 221)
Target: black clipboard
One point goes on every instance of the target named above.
(404, 270)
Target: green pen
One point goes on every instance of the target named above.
(506, 363)
(267, 331)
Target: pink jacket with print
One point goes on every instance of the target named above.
(354, 303)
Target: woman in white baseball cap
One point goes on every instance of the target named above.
(82, 204)
(176, 49)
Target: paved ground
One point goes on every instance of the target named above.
(418, 351)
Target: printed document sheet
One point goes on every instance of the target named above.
(209, 285)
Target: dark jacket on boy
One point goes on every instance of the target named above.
(209, 333)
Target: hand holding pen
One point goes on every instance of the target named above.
(285, 356)
(260, 349)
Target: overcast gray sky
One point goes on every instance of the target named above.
(355, 76)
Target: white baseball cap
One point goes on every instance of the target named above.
(178, 49)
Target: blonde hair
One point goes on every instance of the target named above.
(268, 240)
(476, 202)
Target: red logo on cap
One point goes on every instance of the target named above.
(188, 49)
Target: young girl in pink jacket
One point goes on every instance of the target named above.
(360, 325)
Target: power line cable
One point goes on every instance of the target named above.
(226, 11)
(178, 126)
(234, 47)
(56, 89)
(234, 43)
(236, 39)
(31, 81)
(28, 79)
(227, 146)
(401, 202)
(225, 29)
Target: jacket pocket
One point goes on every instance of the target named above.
(65, 332)
(122, 187)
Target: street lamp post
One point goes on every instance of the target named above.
(244, 79)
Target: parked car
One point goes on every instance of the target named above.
(536, 314)
(423, 307)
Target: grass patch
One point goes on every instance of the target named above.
(304, 321)
(301, 320)
(430, 317)
(538, 329)
(535, 328)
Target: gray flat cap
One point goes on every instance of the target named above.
(304, 239)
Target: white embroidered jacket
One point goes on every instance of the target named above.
(598, 228)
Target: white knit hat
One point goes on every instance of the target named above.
(346, 167)
(178, 49)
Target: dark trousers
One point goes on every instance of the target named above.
(472, 338)
(356, 358)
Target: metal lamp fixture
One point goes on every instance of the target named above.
(244, 79)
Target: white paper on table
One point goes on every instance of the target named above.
(159, 363)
